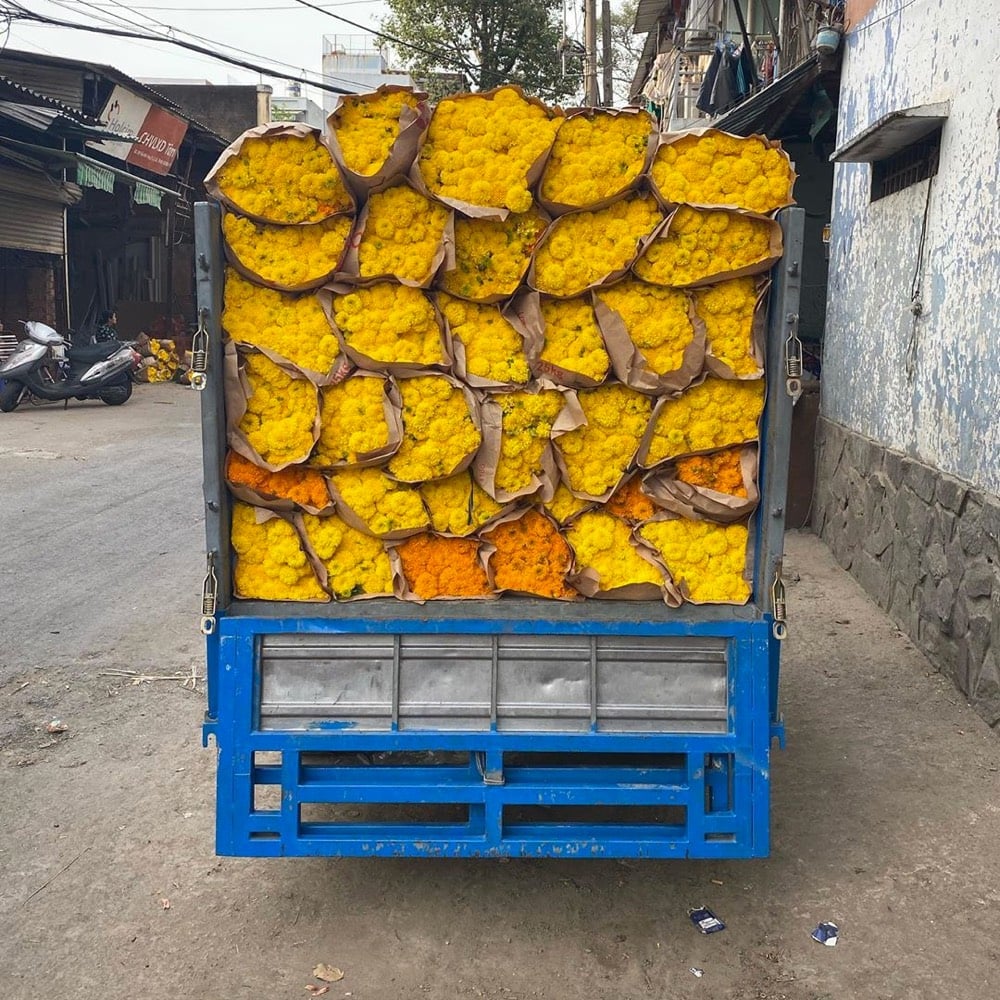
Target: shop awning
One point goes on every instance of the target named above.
(52, 121)
(93, 173)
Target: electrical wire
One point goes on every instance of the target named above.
(229, 10)
(19, 13)
(884, 17)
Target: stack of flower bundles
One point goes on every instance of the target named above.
(493, 348)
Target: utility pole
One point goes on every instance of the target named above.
(609, 83)
(592, 97)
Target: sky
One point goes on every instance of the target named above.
(269, 31)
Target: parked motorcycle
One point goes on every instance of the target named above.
(45, 366)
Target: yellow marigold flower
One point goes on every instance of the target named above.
(708, 559)
(595, 157)
(293, 326)
(402, 235)
(388, 322)
(583, 248)
(716, 414)
(479, 148)
(367, 126)
(657, 321)
(458, 505)
(355, 562)
(285, 179)
(597, 454)
(699, 244)
(281, 412)
(491, 257)
(288, 255)
(526, 430)
(352, 421)
(384, 505)
(720, 169)
(573, 339)
(270, 563)
(727, 310)
(438, 430)
(494, 350)
(603, 543)
(563, 506)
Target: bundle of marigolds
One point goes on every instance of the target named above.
(537, 346)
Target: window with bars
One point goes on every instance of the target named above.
(912, 164)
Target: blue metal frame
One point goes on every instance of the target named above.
(718, 784)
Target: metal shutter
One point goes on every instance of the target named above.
(28, 223)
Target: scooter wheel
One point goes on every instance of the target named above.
(11, 394)
(116, 394)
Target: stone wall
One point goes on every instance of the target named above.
(926, 548)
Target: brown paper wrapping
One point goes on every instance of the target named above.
(607, 279)
(556, 208)
(544, 483)
(444, 255)
(682, 588)
(472, 402)
(524, 313)
(515, 515)
(233, 260)
(758, 339)
(363, 361)
(412, 124)
(236, 390)
(392, 407)
(270, 130)
(323, 573)
(264, 516)
(531, 178)
(774, 250)
(669, 138)
(351, 517)
(630, 365)
(403, 587)
(686, 500)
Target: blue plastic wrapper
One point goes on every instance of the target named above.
(705, 920)
(826, 933)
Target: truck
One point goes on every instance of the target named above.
(516, 727)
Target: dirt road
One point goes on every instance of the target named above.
(886, 806)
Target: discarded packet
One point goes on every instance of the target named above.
(826, 933)
(697, 973)
(705, 920)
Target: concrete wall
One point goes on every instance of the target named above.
(909, 438)
(228, 110)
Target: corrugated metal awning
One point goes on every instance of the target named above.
(754, 114)
(647, 13)
(893, 132)
(43, 119)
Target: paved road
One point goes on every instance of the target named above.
(100, 516)
(886, 805)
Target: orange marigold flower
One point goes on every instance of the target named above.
(302, 486)
(443, 567)
(720, 471)
(531, 556)
(630, 503)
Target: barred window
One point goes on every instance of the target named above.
(912, 164)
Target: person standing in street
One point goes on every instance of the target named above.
(108, 330)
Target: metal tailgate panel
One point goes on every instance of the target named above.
(553, 683)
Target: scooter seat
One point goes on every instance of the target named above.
(89, 354)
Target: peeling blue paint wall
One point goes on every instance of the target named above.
(929, 387)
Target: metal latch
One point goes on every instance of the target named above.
(489, 777)
(778, 629)
(199, 352)
(209, 597)
(793, 358)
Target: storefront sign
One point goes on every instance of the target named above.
(160, 133)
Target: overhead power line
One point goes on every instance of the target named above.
(19, 13)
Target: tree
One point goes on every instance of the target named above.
(487, 42)
(626, 48)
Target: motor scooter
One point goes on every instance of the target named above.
(45, 366)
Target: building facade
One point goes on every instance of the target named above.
(909, 436)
